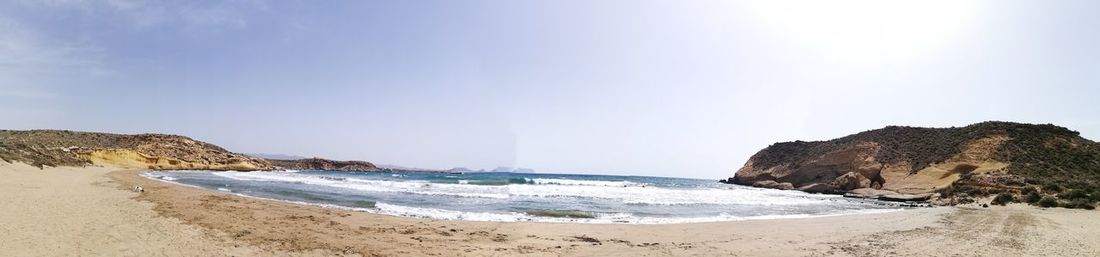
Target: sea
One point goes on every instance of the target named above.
(526, 197)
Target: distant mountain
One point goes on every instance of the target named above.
(274, 156)
(513, 170)
(390, 166)
(460, 169)
(402, 168)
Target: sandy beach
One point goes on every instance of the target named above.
(543, 128)
(91, 212)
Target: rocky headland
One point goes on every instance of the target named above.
(59, 148)
(325, 164)
(1043, 165)
(144, 151)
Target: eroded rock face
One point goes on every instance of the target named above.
(849, 181)
(143, 151)
(909, 162)
(127, 158)
(836, 171)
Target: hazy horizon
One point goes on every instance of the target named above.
(676, 89)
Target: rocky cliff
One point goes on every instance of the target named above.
(144, 151)
(1017, 162)
(323, 164)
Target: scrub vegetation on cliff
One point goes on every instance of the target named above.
(1019, 162)
(325, 164)
(146, 151)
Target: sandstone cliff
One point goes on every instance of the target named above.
(1022, 162)
(323, 164)
(144, 151)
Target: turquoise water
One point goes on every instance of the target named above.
(526, 196)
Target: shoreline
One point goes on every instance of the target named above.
(1001, 231)
(535, 219)
(177, 220)
(387, 235)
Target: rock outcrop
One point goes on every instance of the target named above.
(144, 151)
(919, 163)
(324, 164)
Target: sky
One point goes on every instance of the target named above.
(665, 88)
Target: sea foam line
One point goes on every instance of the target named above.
(601, 218)
(625, 194)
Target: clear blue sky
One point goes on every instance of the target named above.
(670, 88)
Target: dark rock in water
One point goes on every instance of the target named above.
(885, 195)
(815, 188)
(905, 197)
(774, 185)
(765, 184)
(784, 186)
(867, 193)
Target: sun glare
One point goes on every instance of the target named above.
(866, 31)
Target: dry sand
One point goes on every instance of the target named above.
(89, 212)
(81, 212)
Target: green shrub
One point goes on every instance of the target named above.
(1033, 197)
(1079, 204)
(1003, 198)
(1048, 202)
(1052, 188)
(1074, 194)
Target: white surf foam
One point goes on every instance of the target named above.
(600, 218)
(571, 182)
(158, 176)
(434, 213)
(554, 189)
(411, 187)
